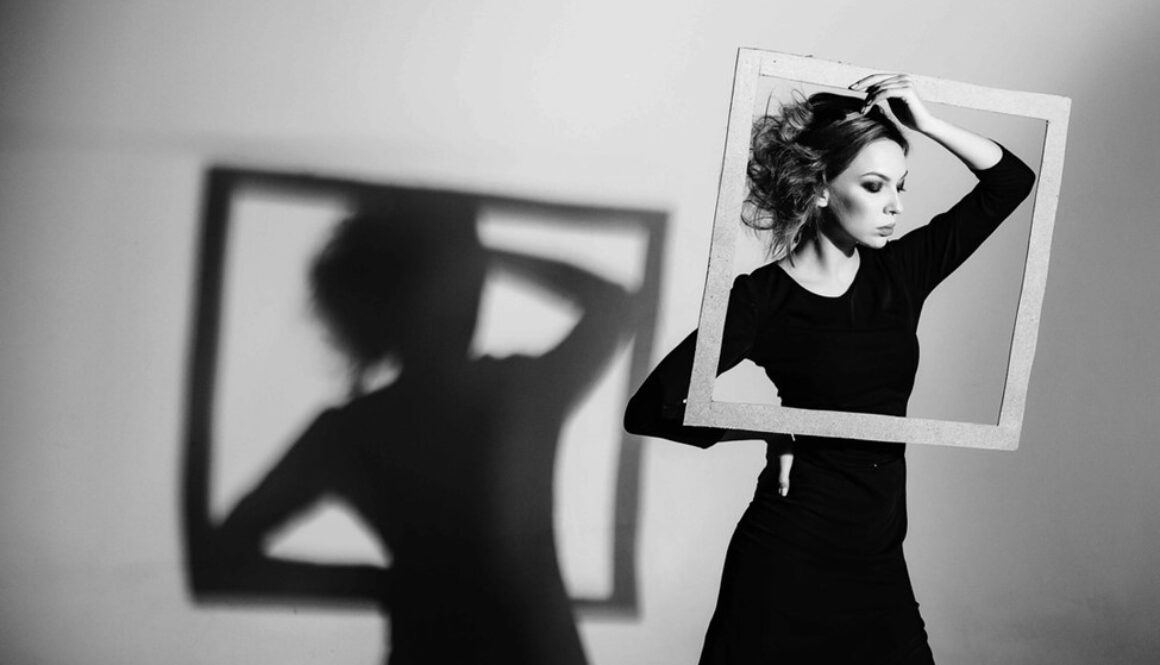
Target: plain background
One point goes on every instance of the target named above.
(110, 111)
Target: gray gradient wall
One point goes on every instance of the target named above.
(109, 111)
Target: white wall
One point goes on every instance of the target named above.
(109, 111)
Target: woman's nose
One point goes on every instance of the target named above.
(894, 206)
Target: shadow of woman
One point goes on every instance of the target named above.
(450, 465)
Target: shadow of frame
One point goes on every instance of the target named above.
(224, 562)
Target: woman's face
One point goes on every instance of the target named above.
(864, 200)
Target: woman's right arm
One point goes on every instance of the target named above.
(658, 407)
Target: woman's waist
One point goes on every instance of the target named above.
(831, 510)
(838, 452)
(859, 481)
(795, 533)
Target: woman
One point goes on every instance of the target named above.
(816, 574)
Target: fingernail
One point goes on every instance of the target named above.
(782, 491)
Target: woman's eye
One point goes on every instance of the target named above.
(873, 187)
(901, 188)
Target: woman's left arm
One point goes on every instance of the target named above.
(928, 254)
(897, 92)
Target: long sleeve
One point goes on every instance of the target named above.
(658, 407)
(928, 254)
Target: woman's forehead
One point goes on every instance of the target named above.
(884, 157)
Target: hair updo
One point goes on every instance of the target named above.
(796, 152)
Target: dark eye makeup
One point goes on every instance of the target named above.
(875, 186)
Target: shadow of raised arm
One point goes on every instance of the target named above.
(605, 319)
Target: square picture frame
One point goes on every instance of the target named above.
(703, 408)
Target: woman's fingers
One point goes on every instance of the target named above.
(896, 94)
(782, 446)
(898, 89)
(784, 463)
(875, 79)
(880, 86)
(890, 85)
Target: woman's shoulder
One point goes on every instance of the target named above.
(764, 276)
(767, 272)
(763, 288)
(761, 281)
(884, 262)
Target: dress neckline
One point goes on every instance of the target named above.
(849, 287)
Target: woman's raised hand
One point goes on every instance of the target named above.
(897, 92)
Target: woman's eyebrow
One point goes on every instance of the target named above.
(884, 176)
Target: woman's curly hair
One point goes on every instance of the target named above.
(796, 152)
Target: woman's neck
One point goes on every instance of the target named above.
(819, 259)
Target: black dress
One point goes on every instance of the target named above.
(819, 576)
